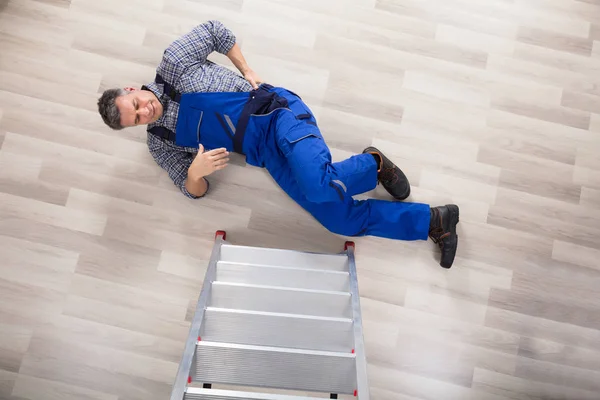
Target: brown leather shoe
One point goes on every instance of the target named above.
(442, 230)
(390, 176)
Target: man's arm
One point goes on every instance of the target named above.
(237, 58)
(204, 164)
(176, 162)
(196, 186)
(187, 171)
(196, 46)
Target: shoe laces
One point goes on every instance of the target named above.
(388, 176)
(438, 235)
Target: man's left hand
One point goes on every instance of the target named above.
(253, 78)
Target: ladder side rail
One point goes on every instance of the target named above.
(359, 348)
(184, 370)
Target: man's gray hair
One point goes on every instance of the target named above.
(108, 108)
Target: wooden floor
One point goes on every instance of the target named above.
(491, 104)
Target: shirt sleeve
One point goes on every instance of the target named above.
(174, 160)
(195, 47)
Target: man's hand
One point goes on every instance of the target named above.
(204, 164)
(253, 78)
(208, 162)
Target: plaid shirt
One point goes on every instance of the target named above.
(185, 67)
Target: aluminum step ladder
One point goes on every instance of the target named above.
(270, 323)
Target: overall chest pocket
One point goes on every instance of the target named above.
(189, 123)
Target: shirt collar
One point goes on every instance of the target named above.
(158, 92)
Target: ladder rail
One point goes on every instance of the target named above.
(185, 366)
(362, 382)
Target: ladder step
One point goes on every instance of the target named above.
(274, 367)
(283, 276)
(280, 300)
(276, 329)
(283, 258)
(217, 394)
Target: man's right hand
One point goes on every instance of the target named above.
(204, 164)
(208, 162)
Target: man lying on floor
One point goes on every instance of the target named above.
(198, 111)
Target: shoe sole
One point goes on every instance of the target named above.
(454, 213)
(454, 216)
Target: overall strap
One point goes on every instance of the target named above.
(169, 90)
(163, 132)
(174, 95)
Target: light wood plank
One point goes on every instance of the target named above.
(552, 40)
(516, 388)
(595, 123)
(422, 387)
(34, 388)
(94, 333)
(35, 303)
(87, 160)
(442, 305)
(581, 101)
(564, 116)
(590, 197)
(559, 353)
(587, 177)
(7, 382)
(35, 264)
(125, 295)
(547, 372)
(474, 40)
(539, 71)
(445, 89)
(458, 186)
(15, 338)
(115, 361)
(93, 378)
(576, 10)
(578, 63)
(19, 207)
(579, 255)
(125, 317)
(531, 326)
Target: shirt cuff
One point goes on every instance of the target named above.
(225, 39)
(193, 196)
(228, 45)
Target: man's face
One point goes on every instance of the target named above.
(138, 107)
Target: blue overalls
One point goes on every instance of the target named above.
(274, 129)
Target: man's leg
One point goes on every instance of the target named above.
(349, 217)
(392, 220)
(388, 219)
(323, 181)
(320, 179)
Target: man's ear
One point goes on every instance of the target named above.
(129, 89)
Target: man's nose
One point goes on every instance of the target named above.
(143, 112)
